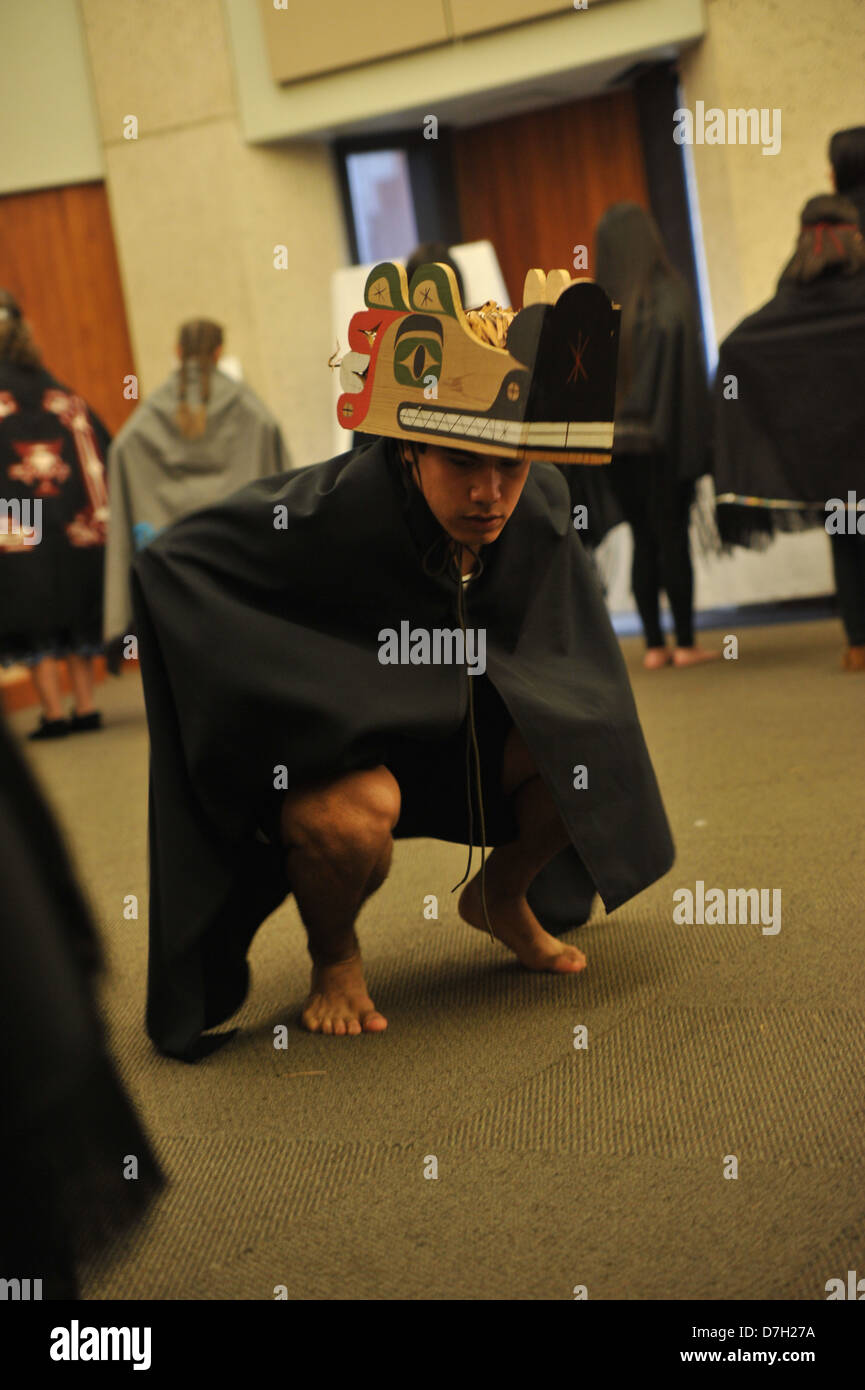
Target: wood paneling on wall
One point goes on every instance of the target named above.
(57, 257)
(536, 185)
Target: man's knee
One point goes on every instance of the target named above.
(353, 816)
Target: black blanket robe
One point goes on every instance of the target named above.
(664, 419)
(68, 1126)
(794, 435)
(259, 648)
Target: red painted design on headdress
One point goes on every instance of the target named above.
(578, 369)
(365, 322)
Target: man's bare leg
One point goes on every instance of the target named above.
(511, 868)
(339, 845)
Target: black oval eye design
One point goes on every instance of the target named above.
(417, 365)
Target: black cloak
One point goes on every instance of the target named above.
(50, 593)
(663, 424)
(68, 1128)
(259, 649)
(667, 407)
(794, 436)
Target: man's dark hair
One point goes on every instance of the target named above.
(847, 156)
(430, 253)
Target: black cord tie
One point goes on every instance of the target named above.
(472, 751)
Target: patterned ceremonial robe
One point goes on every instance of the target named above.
(53, 516)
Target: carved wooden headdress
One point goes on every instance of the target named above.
(539, 382)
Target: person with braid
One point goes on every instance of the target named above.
(199, 437)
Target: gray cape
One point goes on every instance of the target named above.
(155, 476)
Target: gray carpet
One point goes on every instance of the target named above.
(556, 1167)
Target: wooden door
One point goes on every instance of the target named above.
(536, 185)
(57, 258)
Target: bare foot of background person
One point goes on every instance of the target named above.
(656, 657)
(693, 656)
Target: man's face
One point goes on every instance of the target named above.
(471, 495)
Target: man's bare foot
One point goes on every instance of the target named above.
(657, 657)
(515, 925)
(338, 1002)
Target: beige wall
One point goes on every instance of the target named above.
(808, 60)
(197, 211)
(48, 132)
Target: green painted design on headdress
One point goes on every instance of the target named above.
(430, 291)
(386, 287)
(416, 358)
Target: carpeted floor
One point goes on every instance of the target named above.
(557, 1167)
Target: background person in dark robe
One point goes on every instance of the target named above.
(794, 437)
(661, 444)
(281, 629)
(847, 157)
(67, 1182)
(197, 438)
(52, 449)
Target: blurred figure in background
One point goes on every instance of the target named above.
(847, 156)
(794, 439)
(76, 1169)
(200, 436)
(53, 516)
(661, 444)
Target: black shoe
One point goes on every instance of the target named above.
(51, 728)
(80, 723)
